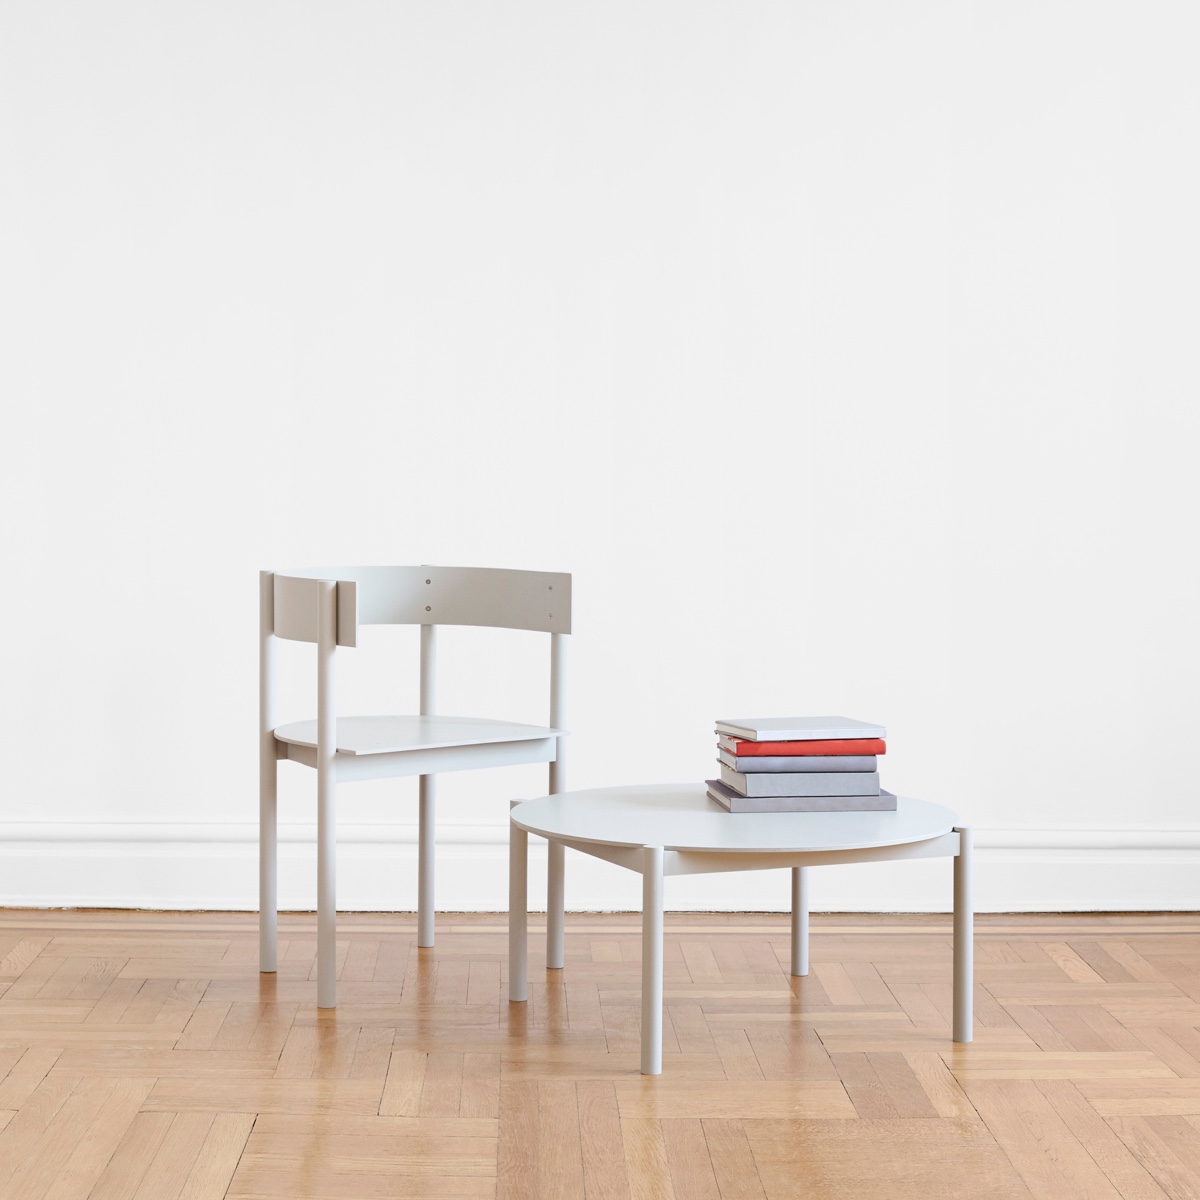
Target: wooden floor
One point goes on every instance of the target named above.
(143, 1056)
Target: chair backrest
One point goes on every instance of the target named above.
(422, 595)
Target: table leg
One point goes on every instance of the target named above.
(799, 920)
(426, 846)
(652, 959)
(518, 913)
(964, 935)
(555, 902)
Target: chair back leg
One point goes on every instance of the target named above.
(327, 801)
(268, 770)
(556, 853)
(427, 803)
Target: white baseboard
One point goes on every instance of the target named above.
(214, 866)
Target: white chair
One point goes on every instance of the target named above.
(326, 605)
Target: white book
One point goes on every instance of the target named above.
(799, 729)
(755, 764)
(824, 783)
(728, 799)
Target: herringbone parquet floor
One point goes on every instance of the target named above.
(142, 1056)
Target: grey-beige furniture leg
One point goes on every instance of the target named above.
(518, 913)
(964, 939)
(799, 920)
(652, 959)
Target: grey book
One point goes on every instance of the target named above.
(799, 729)
(793, 783)
(727, 798)
(756, 764)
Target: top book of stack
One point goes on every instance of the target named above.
(799, 729)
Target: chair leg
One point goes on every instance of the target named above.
(426, 822)
(555, 903)
(326, 891)
(518, 913)
(268, 856)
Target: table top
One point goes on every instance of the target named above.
(680, 816)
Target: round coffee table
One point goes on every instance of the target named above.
(675, 829)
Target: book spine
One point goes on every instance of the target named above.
(782, 733)
(732, 802)
(825, 783)
(856, 746)
(757, 764)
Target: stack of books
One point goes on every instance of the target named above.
(799, 764)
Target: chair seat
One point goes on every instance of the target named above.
(389, 735)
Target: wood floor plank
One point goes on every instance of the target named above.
(732, 1160)
(480, 1094)
(1069, 962)
(176, 1155)
(213, 1169)
(203, 1026)
(1002, 1064)
(901, 1084)
(1171, 1043)
(17, 959)
(1111, 1155)
(402, 1088)
(666, 1098)
(943, 1090)
(1154, 1142)
(863, 1086)
(441, 1084)
(69, 1133)
(1050, 1159)
(334, 1123)
(646, 1160)
(264, 1095)
(77, 1175)
(560, 1163)
(881, 1160)
(791, 1051)
(372, 1052)
(519, 1148)
(26, 1074)
(21, 1135)
(737, 1056)
(125, 1170)
(600, 1141)
(688, 1162)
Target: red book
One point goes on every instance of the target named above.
(848, 746)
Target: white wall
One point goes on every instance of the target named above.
(844, 351)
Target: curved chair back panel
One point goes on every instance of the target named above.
(425, 595)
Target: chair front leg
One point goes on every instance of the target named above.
(327, 800)
(268, 863)
(518, 913)
(326, 889)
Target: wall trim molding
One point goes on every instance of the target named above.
(496, 834)
(213, 865)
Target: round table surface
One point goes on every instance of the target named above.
(680, 816)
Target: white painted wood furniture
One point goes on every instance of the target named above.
(675, 829)
(326, 606)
